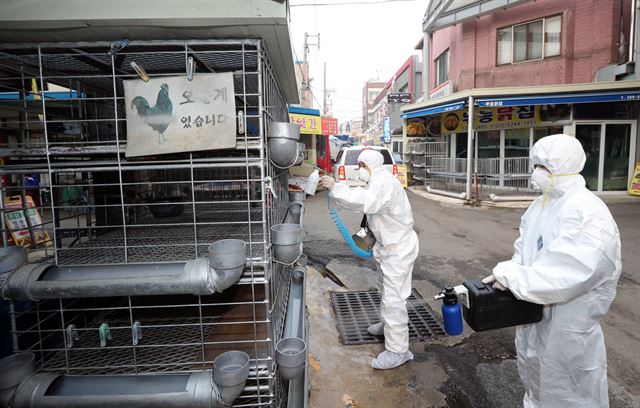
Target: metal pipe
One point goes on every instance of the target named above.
(470, 134)
(204, 389)
(426, 64)
(201, 276)
(45, 281)
(632, 33)
(461, 196)
(294, 214)
(294, 320)
(291, 350)
(3, 227)
(495, 197)
(297, 396)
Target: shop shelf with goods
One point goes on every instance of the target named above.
(90, 211)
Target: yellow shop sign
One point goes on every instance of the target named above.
(507, 117)
(634, 187)
(309, 125)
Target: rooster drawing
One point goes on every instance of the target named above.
(157, 117)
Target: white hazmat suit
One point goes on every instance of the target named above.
(567, 258)
(390, 218)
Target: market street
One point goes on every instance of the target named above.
(472, 370)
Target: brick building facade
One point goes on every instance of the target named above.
(594, 34)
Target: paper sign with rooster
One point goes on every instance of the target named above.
(172, 114)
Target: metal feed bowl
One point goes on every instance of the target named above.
(284, 130)
(283, 152)
(291, 356)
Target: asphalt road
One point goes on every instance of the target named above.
(472, 370)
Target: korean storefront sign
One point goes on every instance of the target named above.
(173, 114)
(329, 126)
(309, 124)
(386, 129)
(507, 117)
(634, 187)
(402, 175)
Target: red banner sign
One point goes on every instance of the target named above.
(329, 126)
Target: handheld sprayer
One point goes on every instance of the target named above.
(484, 307)
(342, 229)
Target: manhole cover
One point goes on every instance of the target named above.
(357, 310)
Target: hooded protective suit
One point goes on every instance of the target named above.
(389, 216)
(567, 258)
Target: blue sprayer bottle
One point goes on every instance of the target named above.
(451, 312)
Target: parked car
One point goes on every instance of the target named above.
(334, 146)
(345, 169)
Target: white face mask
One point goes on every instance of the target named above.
(363, 174)
(541, 179)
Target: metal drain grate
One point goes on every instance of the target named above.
(357, 310)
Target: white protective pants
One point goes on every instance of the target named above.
(395, 271)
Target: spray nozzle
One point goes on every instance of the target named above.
(454, 294)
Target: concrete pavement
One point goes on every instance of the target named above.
(472, 370)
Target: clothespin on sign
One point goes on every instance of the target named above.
(241, 122)
(140, 71)
(191, 68)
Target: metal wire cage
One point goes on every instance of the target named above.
(71, 197)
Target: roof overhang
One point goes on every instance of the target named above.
(529, 95)
(444, 13)
(97, 20)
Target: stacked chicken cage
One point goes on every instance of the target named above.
(426, 157)
(121, 278)
(417, 150)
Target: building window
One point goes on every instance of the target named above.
(442, 68)
(533, 40)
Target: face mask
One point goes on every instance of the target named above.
(363, 174)
(541, 179)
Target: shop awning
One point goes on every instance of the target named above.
(433, 110)
(560, 98)
(529, 95)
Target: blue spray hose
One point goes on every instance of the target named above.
(344, 232)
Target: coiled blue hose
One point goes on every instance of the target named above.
(333, 212)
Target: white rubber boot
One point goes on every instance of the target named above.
(388, 360)
(376, 329)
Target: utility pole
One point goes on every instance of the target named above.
(307, 99)
(324, 93)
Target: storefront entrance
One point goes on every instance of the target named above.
(610, 149)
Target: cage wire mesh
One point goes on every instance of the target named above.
(63, 165)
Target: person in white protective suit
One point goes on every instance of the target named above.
(390, 219)
(566, 258)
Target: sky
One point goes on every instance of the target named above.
(358, 42)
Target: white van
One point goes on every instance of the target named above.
(345, 169)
